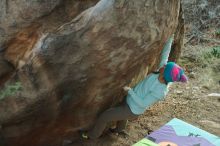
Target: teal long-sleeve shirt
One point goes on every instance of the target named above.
(150, 90)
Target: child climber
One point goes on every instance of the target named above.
(147, 92)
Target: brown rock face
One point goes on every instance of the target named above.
(72, 59)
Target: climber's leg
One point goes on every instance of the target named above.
(119, 113)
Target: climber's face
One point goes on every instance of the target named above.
(161, 77)
(161, 70)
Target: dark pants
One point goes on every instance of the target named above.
(121, 114)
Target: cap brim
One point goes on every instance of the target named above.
(183, 78)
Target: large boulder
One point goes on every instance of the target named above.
(72, 60)
(17, 13)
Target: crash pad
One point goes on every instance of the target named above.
(179, 133)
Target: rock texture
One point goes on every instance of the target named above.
(72, 58)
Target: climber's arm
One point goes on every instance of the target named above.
(166, 51)
(136, 98)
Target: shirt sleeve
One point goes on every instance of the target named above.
(148, 100)
(166, 52)
(136, 98)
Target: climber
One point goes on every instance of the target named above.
(147, 92)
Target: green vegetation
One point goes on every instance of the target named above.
(212, 53)
(202, 57)
(10, 90)
(203, 63)
(217, 32)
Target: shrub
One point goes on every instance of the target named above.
(213, 53)
(217, 32)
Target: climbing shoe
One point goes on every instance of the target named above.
(83, 135)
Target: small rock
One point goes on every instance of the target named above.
(210, 123)
(202, 91)
(187, 88)
(179, 92)
(192, 75)
(195, 88)
(206, 87)
(214, 94)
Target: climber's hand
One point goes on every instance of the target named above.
(126, 88)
